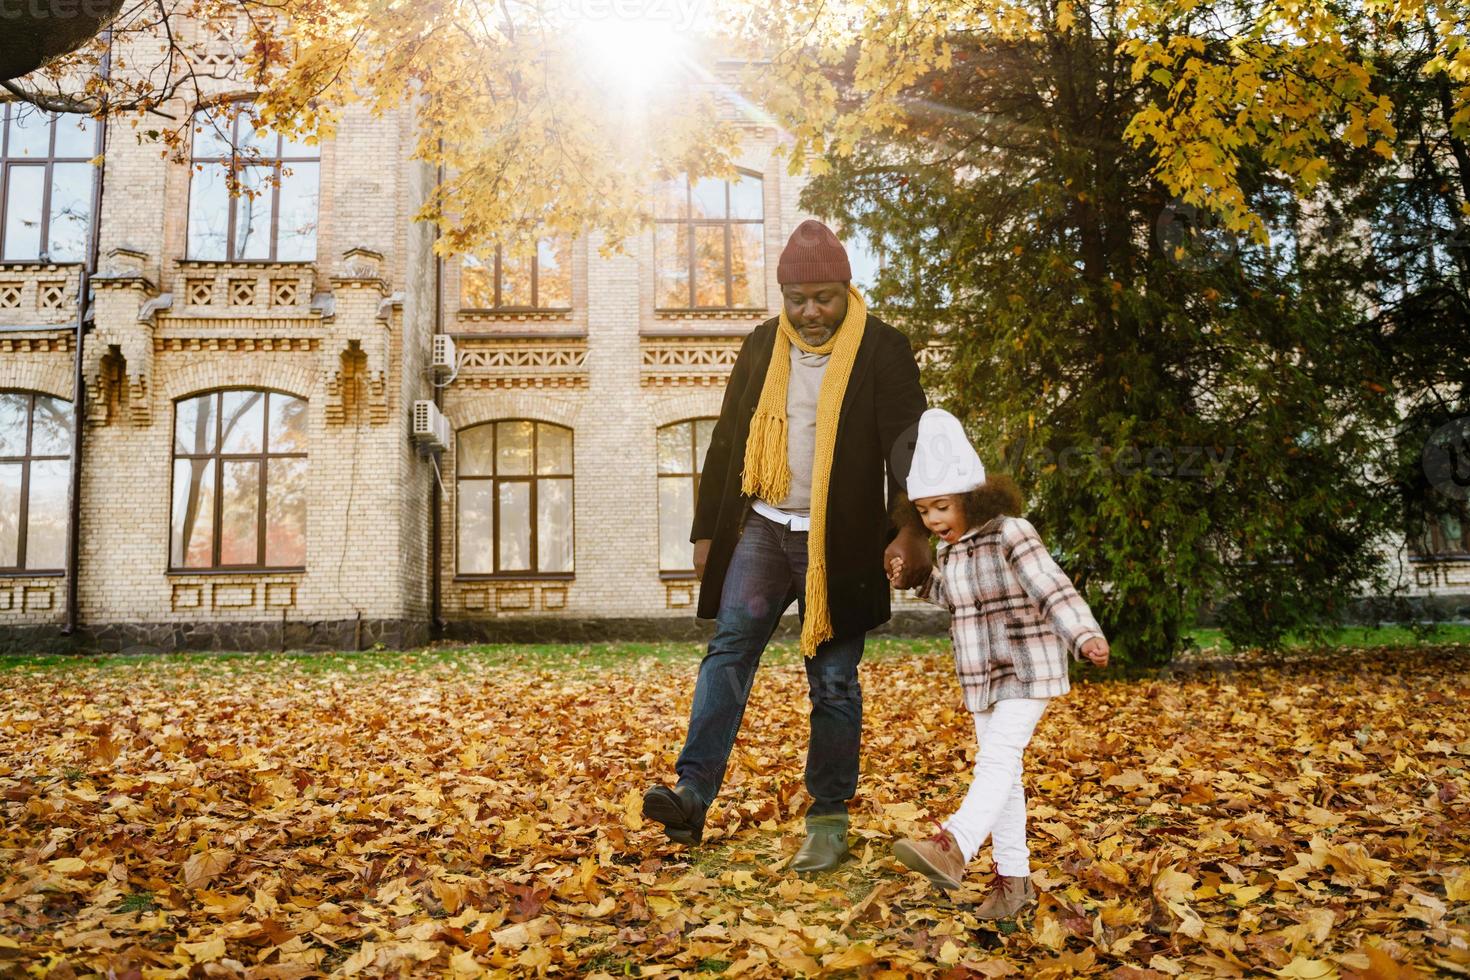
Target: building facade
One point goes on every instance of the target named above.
(248, 473)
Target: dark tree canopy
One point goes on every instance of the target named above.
(34, 32)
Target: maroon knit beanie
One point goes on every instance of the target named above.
(813, 254)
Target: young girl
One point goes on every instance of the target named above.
(1014, 616)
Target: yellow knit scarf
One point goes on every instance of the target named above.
(767, 473)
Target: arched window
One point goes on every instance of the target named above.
(46, 179)
(274, 216)
(501, 282)
(513, 488)
(709, 244)
(681, 449)
(35, 470)
(239, 483)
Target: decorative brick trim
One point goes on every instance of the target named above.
(517, 384)
(46, 372)
(1442, 575)
(513, 405)
(511, 598)
(239, 344)
(292, 375)
(686, 360)
(510, 316)
(695, 404)
(38, 600)
(490, 363)
(749, 316)
(57, 343)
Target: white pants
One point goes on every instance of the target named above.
(995, 805)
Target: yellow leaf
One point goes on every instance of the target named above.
(854, 957)
(633, 809)
(1173, 885)
(1243, 893)
(1457, 886)
(1049, 932)
(203, 867)
(206, 951)
(1305, 969)
(68, 866)
(902, 811)
(464, 962)
(361, 959)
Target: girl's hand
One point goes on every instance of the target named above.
(1096, 651)
(895, 571)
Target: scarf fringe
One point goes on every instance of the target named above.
(767, 440)
(816, 628)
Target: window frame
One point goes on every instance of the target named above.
(219, 458)
(276, 162)
(494, 478)
(46, 164)
(679, 574)
(691, 223)
(1419, 545)
(497, 278)
(19, 569)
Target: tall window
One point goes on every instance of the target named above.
(45, 184)
(681, 449)
(239, 494)
(35, 466)
(514, 491)
(274, 215)
(709, 244)
(539, 282)
(1445, 534)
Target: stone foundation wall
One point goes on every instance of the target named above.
(141, 638)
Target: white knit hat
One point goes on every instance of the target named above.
(944, 461)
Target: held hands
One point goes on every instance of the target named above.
(906, 560)
(1096, 651)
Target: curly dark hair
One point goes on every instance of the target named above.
(997, 496)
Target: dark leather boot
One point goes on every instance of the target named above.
(825, 846)
(679, 810)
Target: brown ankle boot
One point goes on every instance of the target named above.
(1008, 896)
(937, 858)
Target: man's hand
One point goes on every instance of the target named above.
(911, 549)
(701, 555)
(1096, 651)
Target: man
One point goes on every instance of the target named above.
(791, 506)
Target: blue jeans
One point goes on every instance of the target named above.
(767, 571)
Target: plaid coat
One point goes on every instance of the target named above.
(1014, 614)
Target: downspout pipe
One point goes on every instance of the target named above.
(436, 502)
(79, 378)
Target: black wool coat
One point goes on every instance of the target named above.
(876, 428)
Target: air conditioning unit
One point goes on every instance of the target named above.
(442, 359)
(430, 427)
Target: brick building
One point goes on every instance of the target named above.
(249, 477)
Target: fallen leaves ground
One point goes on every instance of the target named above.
(448, 814)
